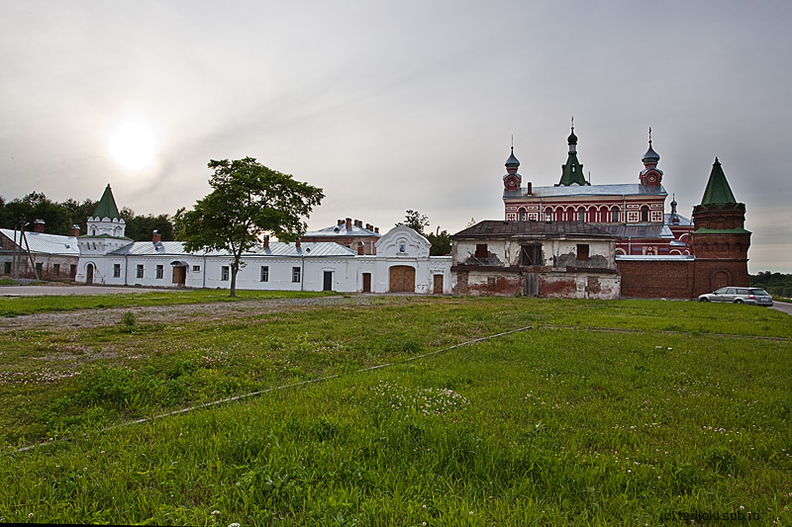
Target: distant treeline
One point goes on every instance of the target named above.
(59, 217)
(776, 284)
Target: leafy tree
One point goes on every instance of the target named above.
(33, 206)
(80, 212)
(415, 220)
(441, 243)
(247, 201)
(141, 228)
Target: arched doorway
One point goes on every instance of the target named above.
(402, 279)
(89, 274)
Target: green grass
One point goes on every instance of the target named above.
(604, 413)
(28, 305)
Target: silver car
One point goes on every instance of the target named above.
(739, 295)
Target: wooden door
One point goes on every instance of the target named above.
(437, 286)
(402, 279)
(367, 282)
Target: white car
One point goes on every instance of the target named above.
(739, 295)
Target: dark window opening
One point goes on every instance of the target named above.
(531, 254)
(481, 250)
(582, 252)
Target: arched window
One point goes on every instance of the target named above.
(522, 214)
(645, 213)
(548, 214)
(581, 214)
(615, 215)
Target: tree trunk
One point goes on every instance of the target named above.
(234, 271)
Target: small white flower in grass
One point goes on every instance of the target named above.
(30, 515)
(215, 512)
(233, 525)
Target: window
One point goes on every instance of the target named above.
(522, 214)
(615, 215)
(117, 271)
(224, 273)
(548, 214)
(265, 273)
(531, 254)
(481, 250)
(644, 213)
(196, 268)
(581, 214)
(159, 272)
(582, 252)
(140, 270)
(295, 274)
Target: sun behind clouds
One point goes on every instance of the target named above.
(133, 145)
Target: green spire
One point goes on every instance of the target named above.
(572, 171)
(107, 207)
(718, 191)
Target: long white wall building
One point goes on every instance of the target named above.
(401, 263)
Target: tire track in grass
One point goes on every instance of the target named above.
(281, 387)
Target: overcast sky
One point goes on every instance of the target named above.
(396, 105)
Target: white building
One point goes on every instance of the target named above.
(401, 263)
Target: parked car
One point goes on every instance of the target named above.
(739, 295)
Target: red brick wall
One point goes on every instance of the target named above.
(716, 273)
(659, 279)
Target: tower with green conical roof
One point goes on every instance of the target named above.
(572, 171)
(107, 208)
(719, 241)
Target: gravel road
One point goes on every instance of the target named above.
(158, 314)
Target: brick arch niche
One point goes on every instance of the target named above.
(720, 278)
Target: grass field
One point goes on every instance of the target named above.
(623, 412)
(28, 305)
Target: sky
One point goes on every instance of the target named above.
(397, 105)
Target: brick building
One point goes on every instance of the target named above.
(634, 213)
(655, 254)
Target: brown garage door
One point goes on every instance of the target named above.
(402, 279)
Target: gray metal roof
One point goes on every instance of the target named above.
(497, 228)
(588, 190)
(278, 249)
(306, 249)
(341, 230)
(43, 243)
(682, 220)
(645, 230)
(654, 257)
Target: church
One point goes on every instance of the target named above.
(578, 240)
(634, 213)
